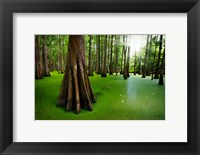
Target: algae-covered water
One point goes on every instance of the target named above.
(117, 99)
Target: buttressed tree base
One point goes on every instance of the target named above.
(76, 91)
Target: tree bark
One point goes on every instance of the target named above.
(45, 59)
(149, 57)
(104, 61)
(63, 54)
(108, 54)
(161, 82)
(122, 72)
(98, 55)
(140, 63)
(38, 62)
(135, 64)
(76, 91)
(125, 63)
(158, 61)
(102, 52)
(111, 51)
(145, 59)
(90, 73)
(128, 59)
(60, 67)
(154, 57)
(116, 53)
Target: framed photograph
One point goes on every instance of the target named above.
(99, 77)
(113, 67)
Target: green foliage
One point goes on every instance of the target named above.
(117, 99)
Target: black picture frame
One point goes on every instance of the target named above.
(8, 7)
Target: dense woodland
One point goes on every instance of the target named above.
(78, 57)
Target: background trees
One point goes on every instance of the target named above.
(104, 54)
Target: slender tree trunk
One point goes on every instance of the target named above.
(76, 91)
(65, 44)
(128, 59)
(140, 64)
(108, 54)
(45, 59)
(57, 59)
(116, 54)
(161, 82)
(105, 55)
(154, 58)
(63, 54)
(149, 57)
(98, 55)
(111, 51)
(60, 67)
(135, 64)
(55, 63)
(145, 59)
(122, 72)
(125, 64)
(158, 61)
(38, 63)
(102, 52)
(90, 73)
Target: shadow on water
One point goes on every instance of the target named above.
(97, 94)
(106, 87)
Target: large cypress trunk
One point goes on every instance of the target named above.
(76, 91)
(104, 71)
(145, 59)
(161, 82)
(158, 61)
(38, 62)
(45, 59)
